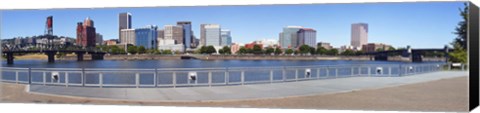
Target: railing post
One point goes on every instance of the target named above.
(137, 80)
(359, 71)
(318, 73)
(16, 77)
(100, 81)
(390, 71)
(271, 76)
(284, 73)
(336, 72)
(209, 79)
(66, 79)
(44, 78)
(227, 77)
(83, 77)
(29, 75)
(242, 77)
(174, 79)
(296, 74)
(351, 71)
(369, 71)
(155, 81)
(328, 72)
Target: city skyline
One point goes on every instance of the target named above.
(436, 20)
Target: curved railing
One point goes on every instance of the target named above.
(188, 77)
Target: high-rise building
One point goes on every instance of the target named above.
(226, 39)
(146, 37)
(98, 39)
(128, 36)
(359, 35)
(202, 35)
(174, 32)
(86, 33)
(124, 22)
(307, 36)
(288, 37)
(187, 33)
(210, 34)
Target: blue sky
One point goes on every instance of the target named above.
(421, 25)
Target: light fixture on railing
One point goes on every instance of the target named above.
(55, 76)
(192, 76)
(308, 72)
(379, 70)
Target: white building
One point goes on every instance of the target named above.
(169, 44)
(359, 35)
(212, 34)
(128, 36)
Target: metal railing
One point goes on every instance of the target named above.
(188, 77)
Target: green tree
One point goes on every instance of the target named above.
(391, 48)
(379, 49)
(289, 51)
(304, 49)
(461, 29)
(269, 50)
(203, 50)
(278, 51)
(257, 49)
(132, 49)
(313, 51)
(332, 52)
(210, 50)
(358, 52)
(167, 52)
(141, 50)
(458, 55)
(242, 50)
(348, 52)
(225, 50)
(321, 50)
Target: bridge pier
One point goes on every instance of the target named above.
(51, 56)
(79, 56)
(9, 58)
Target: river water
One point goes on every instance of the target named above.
(142, 64)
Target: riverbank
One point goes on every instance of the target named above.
(441, 95)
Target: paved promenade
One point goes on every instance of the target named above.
(245, 92)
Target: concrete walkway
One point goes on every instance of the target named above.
(245, 92)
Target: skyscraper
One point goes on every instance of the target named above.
(359, 35)
(187, 33)
(174, 32)
(307, 36)
(86, 33)
(288, 37)
(210, 34)
(226, 39)
(146, 37)
(124, 22)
